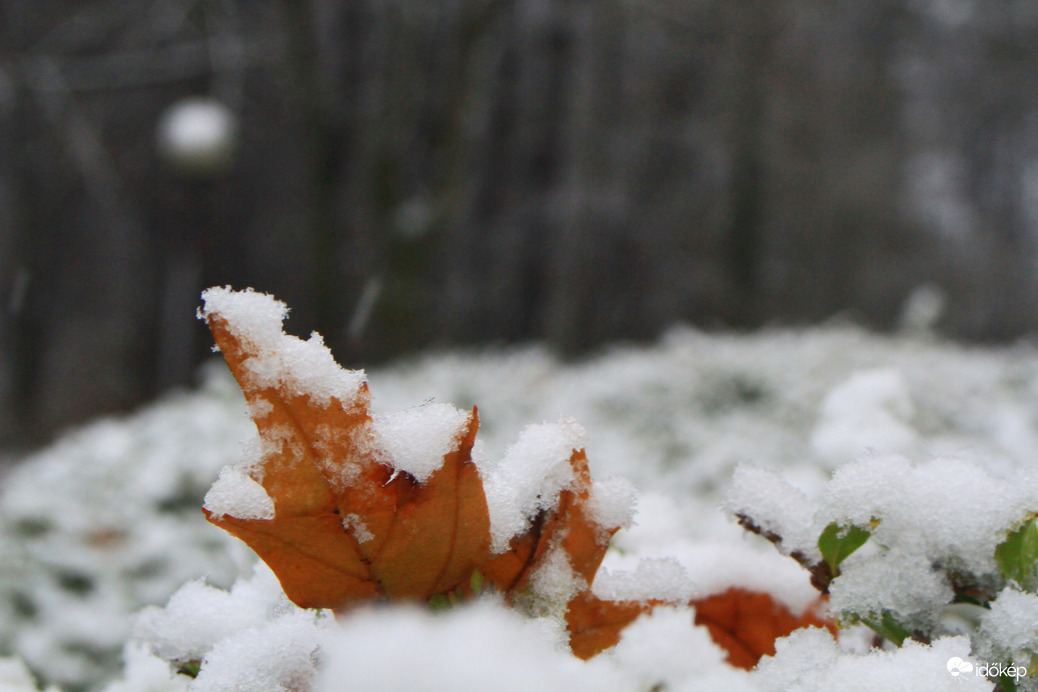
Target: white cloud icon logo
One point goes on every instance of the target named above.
(957, 667)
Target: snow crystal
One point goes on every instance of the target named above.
(237, 495)
(196, 617)
(249, 315)
(260, 407)
(809, 660)
(276, 359)
(477, 647)
(661, 579)
(530, 477)
(248, 638)
(415, 440)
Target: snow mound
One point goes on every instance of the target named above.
(106, 520)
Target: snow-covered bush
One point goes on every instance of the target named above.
(487, 646)
(914, 551)
(106, 520)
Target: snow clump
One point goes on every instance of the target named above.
(530, 477)
(415, 440)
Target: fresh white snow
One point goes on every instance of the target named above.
(277, 359)
(415, 440)
(101, 529)
(530, 477)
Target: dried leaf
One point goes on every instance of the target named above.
(744, 623)
(595, 625)
(747, 623)
(346, 526)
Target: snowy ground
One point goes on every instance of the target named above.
(106, 521)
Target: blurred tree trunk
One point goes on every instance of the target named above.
(421, 174)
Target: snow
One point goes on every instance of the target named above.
(1011, 619)
(199, 615)
(775, 506)
(654, 578)
(906, 496)
(15, 677)
(530, 477)
(553, 584)
(105, 523)
(809, 660)
(107, 520)
(662, 650)
(897, 580)
(145, 672)
(275, 359)
(237, 495)
(871, 410)
(416, 439)
(479, 647)
(612, 502)
(279, 656)
(250, 638)
(915, 513)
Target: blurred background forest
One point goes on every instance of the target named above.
(409, 174)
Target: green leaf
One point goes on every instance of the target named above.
(1017, 556)
(439, 602)
(476, 582)
(837, 542)
(888, 628)
(190, 668)
(1007, 683)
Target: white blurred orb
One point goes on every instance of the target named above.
(198, 136)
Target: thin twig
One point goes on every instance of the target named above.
(821, 574)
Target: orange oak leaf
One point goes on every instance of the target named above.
(346, 525)
(747, 623)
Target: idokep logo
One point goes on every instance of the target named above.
(958, 667)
